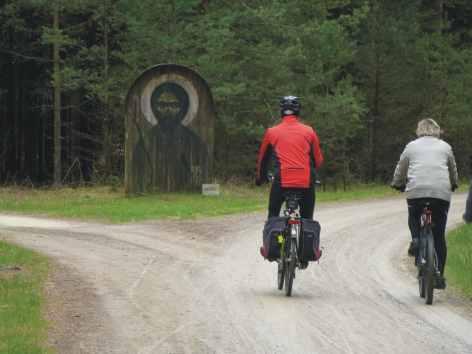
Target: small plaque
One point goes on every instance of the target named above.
(211, 189)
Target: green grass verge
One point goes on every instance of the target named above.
(22, 327)
(103, 203)
(459, 259)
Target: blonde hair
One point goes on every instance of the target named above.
(428, 127)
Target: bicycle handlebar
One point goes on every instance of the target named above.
(271, 178)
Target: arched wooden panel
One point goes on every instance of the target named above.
(170, 121)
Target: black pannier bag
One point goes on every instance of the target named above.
(273, 227)
(309, 248)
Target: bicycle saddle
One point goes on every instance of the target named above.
(426, 205)
(293, 199)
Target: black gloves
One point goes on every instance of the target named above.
(267, 179)
(398, 188)
(454, 187)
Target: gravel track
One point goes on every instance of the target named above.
(201, 287)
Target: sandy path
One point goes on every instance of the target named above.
(201, 287)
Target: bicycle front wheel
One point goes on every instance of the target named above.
(290, 269)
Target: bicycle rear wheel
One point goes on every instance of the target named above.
(429, 269)
(280, 273)
(421, 283)
(290, 269)
(419, 262)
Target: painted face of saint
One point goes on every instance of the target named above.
(169, 103)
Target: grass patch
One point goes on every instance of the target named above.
(104, 203)
(357, 192)
(22, 327)
(459, 259)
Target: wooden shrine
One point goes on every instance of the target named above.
(169, 140)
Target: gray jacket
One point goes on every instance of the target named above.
(428, 169)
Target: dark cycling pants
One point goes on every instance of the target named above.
(440, 208)
(307, 204)
(468, 206)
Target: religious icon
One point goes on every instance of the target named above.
(170, 154)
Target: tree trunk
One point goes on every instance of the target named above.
(438, 15)
(57, 101)
(435, 13)
(373, 122)
(107, 126)
(16, 120)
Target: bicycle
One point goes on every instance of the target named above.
(288, 241)
(426, 259)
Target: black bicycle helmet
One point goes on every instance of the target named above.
(290, 105)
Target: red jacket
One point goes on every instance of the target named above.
(297, 153)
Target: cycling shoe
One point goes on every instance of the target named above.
(467, 218)
(303, 265)
(440, 282)
(413, 249)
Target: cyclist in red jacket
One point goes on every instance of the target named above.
(295, 150)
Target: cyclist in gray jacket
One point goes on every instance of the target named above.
(427, 172)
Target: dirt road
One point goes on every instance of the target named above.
(202, 287)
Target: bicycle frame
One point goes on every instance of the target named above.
(293, 222)
(288, 261)
(427, 217)
(426, 259)
(426, 224)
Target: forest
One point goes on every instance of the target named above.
(366, 72)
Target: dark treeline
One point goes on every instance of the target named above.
(367, 71)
